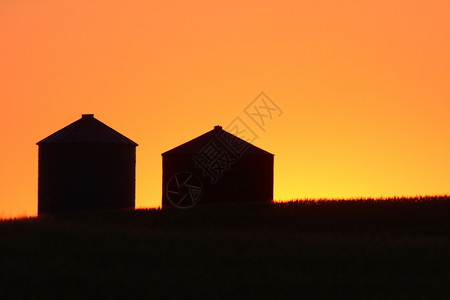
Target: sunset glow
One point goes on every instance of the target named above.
(364, 88)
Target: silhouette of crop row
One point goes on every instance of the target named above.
(364, 249)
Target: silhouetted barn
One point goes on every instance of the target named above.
(216, 167)
(86, 166)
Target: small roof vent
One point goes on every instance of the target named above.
(87, 115)
(218, 127)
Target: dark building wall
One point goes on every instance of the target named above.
(86, 176)
(249, 179)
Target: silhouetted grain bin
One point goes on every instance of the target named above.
(86, 166)
(216, 167)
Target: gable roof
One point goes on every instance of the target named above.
(221, 138)
(87, 130)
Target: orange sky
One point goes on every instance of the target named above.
(364, 87)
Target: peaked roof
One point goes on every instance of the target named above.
(220, 138)
(87, 130)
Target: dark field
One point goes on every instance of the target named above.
(386, 249)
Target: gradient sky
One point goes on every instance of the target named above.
(364, 87)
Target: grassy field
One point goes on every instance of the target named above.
(385, 249)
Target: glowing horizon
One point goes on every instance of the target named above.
(364, 88)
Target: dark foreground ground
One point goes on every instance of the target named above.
(393, 249)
